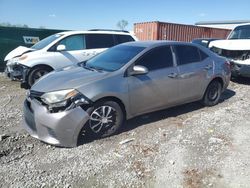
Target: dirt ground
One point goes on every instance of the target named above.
(187, 146)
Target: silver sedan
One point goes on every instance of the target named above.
(96, 96)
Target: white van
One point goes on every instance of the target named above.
(60, 50)
(236, 48)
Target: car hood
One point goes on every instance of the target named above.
(72, 78)
(232, 44)
(20, 50)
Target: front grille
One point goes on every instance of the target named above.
(29, 116)
(51, 132)
(35, 94)
(236, 54)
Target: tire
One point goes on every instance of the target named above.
(212, 94)
(37, 73)
(99, 126)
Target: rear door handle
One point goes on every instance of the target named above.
(208, 67)
(172, 75)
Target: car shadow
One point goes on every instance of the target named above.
(241, 80)
(160, 115)
(170, 112)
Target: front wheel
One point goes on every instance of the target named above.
(212, 94)
(105, 119)
(37, 73)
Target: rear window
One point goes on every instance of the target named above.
(123, 38)
(187, 54)
(203, 55)
(99, 41)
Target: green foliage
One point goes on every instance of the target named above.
(7, 24)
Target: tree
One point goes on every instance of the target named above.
(7, 24)
(122, 24)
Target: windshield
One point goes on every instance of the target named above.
(43, 43)
(240, 32)
(113, 58)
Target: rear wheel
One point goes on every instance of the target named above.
(212, 94)
(106, 118)
(37, 73)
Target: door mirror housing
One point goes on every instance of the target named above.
(138, 70)
(61, 47)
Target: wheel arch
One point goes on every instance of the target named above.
(219, 79)
(221, 83)
(115, 99)
(40, 65)
(29, 71)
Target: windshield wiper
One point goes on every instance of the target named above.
(92, 68)
(83, 64)
(99, 69)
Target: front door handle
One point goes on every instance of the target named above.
(208, 67)
(173, 75)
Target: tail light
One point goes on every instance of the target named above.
(228, 64)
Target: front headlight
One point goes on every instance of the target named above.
(58, 96)
(12, 62)
(64, 99)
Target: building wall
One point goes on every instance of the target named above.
(176, 32)
(221, 26)
(226, 24)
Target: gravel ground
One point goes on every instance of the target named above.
(186, 146)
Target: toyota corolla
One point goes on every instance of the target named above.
(98, 95)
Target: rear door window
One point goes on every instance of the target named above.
(74, 42)
(99, 41)
(157, 58)
(187, 54)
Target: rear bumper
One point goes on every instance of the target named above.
(61, 129)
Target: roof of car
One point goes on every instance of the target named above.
(153, 43)
(95, 32)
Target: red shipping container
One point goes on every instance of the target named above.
(177, 32)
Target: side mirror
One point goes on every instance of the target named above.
(138, 70)
(61, 47)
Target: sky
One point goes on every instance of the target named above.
(105, 14)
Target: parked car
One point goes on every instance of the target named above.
(237, 49)
(125, 81)
(59, 50)
(12, 37)
(204, 41)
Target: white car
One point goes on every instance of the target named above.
(237, 49)
(60, 50)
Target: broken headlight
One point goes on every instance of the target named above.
(216, 50)
(64, 100)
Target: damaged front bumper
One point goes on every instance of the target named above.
(16, 71)
(239, 60)
(60, 129)
(240, 68)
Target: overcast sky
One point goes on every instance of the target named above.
(87, 14)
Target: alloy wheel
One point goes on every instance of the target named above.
(102, 118)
